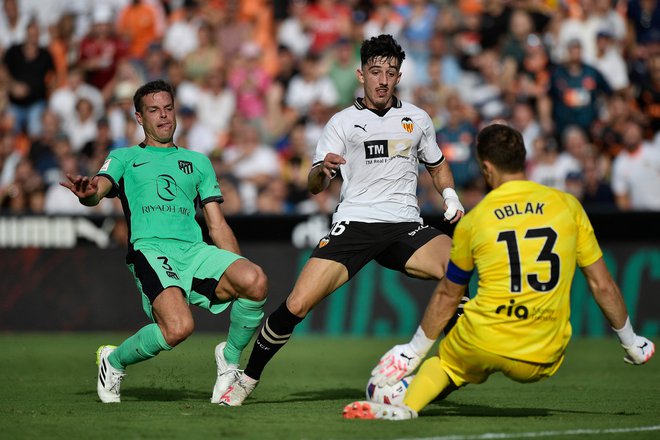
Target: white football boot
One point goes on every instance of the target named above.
(372, 410)
(109, 378)
(226, 374)
(238, 391)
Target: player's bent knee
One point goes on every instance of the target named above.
(253, 283)
(177, 332)
(298, 307)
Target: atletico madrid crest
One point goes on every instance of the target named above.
(407, 124)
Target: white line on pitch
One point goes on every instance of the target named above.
(507, 435)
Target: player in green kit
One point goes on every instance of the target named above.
(160, 185)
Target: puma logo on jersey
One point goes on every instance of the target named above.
(363, 128)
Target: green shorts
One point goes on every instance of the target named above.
(196, 268)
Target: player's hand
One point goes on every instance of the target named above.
(639, 352)
(453, 208)
(82, 186)
(331, 164)
(399, 362)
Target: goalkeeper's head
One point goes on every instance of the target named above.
(501, 153)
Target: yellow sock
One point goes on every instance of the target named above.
(429, 382)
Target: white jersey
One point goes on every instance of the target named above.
(382, 156)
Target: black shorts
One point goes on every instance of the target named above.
(354, 244)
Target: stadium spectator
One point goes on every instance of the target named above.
(597, 193)
(9, 158)
(609, 61)
(181, 36)
(636, 172)
(205, 58)
(456, 139)
(296, 160)
(574, 91)
(140, 23)
(327, 21)
(25, 194)
(95, 151)
(43, 151)
(648, 98)
(13, 25)
(194, 272)
(63, 100)
(272, 198)
(514, 43)
(419, 24)
(292, 32)
(216, 104)
(374, 220)
(63, 47)
(30, 68)
(384, 19)
(546, 167)
(309, 86)
(250, 82)
(441, 52)
(252, 162)
(342, 63)
(153, 65)
(101, 50)
(518, 326)
(643, 20)
(81, 128)
(193, 134)
(524, 120)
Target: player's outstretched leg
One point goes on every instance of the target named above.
(227, 373)
(109, 378)
(238, 391)
(373, 410)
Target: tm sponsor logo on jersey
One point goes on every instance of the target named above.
(380, 151)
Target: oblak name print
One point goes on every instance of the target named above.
(518, 209)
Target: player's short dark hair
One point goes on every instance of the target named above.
(502, 146)
(156, 86)
(382, 46)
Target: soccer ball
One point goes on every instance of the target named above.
(389, 394)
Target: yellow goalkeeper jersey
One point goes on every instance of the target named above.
(525, 240)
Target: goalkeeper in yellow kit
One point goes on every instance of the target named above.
(524, 239)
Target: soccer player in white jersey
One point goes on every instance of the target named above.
(376, 145)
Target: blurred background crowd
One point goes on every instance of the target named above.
(256, 80)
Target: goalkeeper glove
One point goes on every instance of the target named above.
(638, 349)
(639, 352)
(401, 360)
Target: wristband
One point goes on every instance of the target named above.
(420, 344)
(449, 193)
(626, 334)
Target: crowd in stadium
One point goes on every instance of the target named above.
(257, 80)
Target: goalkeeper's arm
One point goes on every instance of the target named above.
(402, 360)
(608, 297)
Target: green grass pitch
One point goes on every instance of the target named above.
(47, 391)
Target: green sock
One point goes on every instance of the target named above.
(244, 320)
(143, 345)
